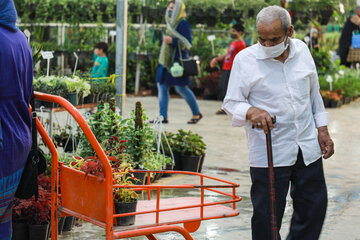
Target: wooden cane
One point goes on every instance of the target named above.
(273, 219)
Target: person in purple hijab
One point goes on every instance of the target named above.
(16, 78)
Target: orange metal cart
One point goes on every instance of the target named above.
(86, 198)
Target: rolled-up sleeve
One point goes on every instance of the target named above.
(321, 117)
(235, 103)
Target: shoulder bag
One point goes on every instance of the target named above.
(35, 164)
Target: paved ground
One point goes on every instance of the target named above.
(226, 158)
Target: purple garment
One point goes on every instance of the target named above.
(16, 77)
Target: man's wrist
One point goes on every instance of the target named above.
(323, 129)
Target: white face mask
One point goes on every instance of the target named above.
(275, 51)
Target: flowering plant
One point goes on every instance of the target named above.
(32, 211)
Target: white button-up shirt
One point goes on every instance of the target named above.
(288, 90)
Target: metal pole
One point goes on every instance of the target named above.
(121, 42)
(141, 38)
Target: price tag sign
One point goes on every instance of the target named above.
(47, 54)
(211, 37)
(329, 79)
(112, 33)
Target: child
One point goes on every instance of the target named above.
(101, 62)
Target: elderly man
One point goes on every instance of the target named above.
(278, 77)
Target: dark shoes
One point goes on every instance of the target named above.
(195, 120)
(165, 121)
(220, 112)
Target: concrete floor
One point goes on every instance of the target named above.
(226, 158)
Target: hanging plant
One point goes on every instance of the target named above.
(199, 13)
(326, 14)
(227, 16)
(211, 16)
(251, 12)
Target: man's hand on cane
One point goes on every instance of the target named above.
(260, 119)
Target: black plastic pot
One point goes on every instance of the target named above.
(201, 163)
(68, 223)
(140, 176)
(103, 7)
(67, 144)
(168, 167)
(251, 12)
(190, 163)
(89, 98)
(145, 11)
(326, 14)
(177, 158)
(61, 221)
(39, 232)
(20, 231)
(47, 104)
(227, 16)
(121, 207)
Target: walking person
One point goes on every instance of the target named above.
(352, 24)
(277, 77)
(236, 46)
(178, 38)
(16, 76)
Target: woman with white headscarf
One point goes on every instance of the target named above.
(177, 38)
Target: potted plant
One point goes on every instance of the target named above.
(125, 199)
(192, 149)
(35, 214)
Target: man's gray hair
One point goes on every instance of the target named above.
(271, 14)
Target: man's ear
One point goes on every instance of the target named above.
(291, 31)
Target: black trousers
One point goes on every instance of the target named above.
(309, 194)
(223, 84)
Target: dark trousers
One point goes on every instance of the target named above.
(223, 83)
(309, 194)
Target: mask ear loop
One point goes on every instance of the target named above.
(286, 40)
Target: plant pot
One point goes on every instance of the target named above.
(251, 12)
(20, 231)
(89, 98)
(190, 163)
(201, 163)
(168, 167)
(61, 221)
(145, 11)
(334, 103)
(67, 144)
(141, 176)
(73, 98)
(103, 7)
(326, 14)
(68, 223)
(177, 158)
(39, 232)
(122, 207)
(47, 104)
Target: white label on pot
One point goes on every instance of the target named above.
(211, 37)
(112, 33)
(47, 54)
(27, 33)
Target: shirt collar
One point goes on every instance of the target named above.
(261, 55)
